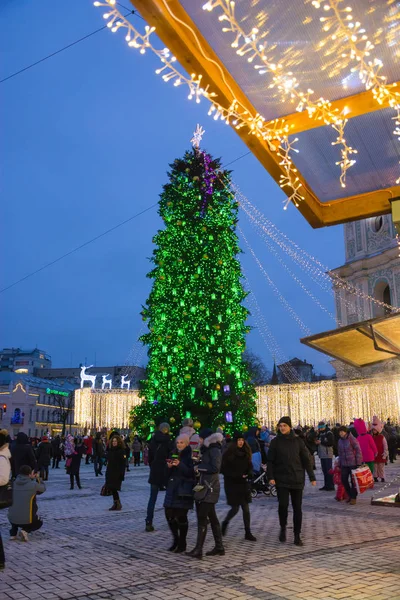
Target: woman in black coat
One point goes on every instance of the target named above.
(43, 455)
(22, 453)
(237, 468)
(115, 472)
(74, 463)
(287, 460)
(207, 493)
(179, 496)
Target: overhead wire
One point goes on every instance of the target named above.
(85, 37)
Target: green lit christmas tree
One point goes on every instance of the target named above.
(197, 324)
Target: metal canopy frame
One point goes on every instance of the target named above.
(370, 329)
(181, 35)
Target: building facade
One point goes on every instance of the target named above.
(34, 405)
(24, 361)
(373, 267)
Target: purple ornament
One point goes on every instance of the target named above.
(227, 389)
(229, 417)
(155, 402)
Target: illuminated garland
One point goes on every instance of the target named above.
(267, 336)
(253, 45)
(349, 42)
(275, 133)
(282, 299)
(303, 258)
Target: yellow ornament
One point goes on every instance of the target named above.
(209, 404)
(172, 420)
(197, 424)
(217, 387)
(244, 428)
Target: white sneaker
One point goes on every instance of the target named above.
(23, 535)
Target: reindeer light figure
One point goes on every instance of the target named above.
(106, 382)
(125, 383)
(86, 377)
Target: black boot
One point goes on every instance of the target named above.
(197, 551)
(173, 525)
(224, 526)
(183, 529)
(218, 549)
(249, 536)
(297, 540)
(282, 535)
(114, 506)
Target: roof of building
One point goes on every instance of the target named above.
(296, 362)
(8, 376)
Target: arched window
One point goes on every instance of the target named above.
(376, 224)
(383, 294)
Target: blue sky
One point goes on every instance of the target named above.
(86, 142)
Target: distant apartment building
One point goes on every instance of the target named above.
(24, 361)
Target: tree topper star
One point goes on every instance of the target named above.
(197, 136)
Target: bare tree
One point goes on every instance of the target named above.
(64, 405)
(260, 375)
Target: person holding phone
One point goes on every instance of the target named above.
(287, 461)
(179, 495)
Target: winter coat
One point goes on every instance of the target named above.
(160, 447)
(56, 447)
(115, 472)
(69, 446)
(336, 472)
(209, 468)
(236, 468)
(309, 441)
(98, 448)
(366, 441)
(24, 508)
(381, 448)
(350, 454)
(76, 458)
(44, 454)
(325, 448)
(88, 443)
(252, 440)
(22, 454)
(194, 438)
(391, 437)
(287, 460)
(136, 446)
(5, 465)
(181, 481)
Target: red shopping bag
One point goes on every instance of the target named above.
(362, 478)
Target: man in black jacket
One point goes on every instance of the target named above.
(159, 449)
(287, 460)
(22, 454)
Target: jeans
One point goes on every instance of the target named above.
(246, 515)
(44, 473)
(34, 526)
(326, 465)
(136, 458)
(349, 487)
(98, 464)
(154, 489)
(283, 499)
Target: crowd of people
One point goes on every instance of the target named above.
(188, 468)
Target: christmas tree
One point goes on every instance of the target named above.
(194, 312)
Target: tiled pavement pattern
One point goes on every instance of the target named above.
(85, 552)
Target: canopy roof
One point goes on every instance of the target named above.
(361, 344)
(265, 65)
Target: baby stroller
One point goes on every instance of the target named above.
(259, 484)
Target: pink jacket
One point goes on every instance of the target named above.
(366, 441)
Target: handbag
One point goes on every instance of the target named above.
(201, 490)
(105, 491)
(362, 478)
(6, 493)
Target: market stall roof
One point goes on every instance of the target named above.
(361, 344)
(300, 69)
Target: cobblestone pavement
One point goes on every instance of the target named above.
(84, 552)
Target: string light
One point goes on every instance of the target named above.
(95, 408)
(282, 299)
(304, 259)
(349, 43)
(236, 114)
(253, 45)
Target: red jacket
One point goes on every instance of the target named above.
(382, 448)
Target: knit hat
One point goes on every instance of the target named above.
(238, 435)
(321, 425)
(286, 420)
(187, 422)
(205, 433)
(377, 424)
(164, 428)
